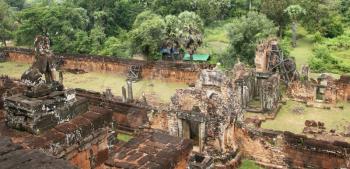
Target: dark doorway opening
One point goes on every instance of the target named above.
(191, 131)
(320, 93)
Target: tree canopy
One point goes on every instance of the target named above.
(244, 34)
(7, 20)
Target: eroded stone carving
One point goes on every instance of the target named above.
(45, 103)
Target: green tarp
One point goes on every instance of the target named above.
(197, 57)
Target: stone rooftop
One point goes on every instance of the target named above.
(151, 150)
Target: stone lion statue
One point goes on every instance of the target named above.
(44, 64)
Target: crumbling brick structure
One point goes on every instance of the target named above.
(207, 112)
(325, 89)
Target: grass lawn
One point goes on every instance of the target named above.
(303, 52)
(124, 137)
(248, 164)
(98, 81)
(13, 69)
(288, 120)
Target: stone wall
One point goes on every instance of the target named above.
(270, 93)
(127, 117)
(277, 149)
(335, 90)
(344, 88)
(168, 71)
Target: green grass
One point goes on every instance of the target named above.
(13, 69)
(248, 164)
(287, 120)
(303, 51)
(124, 137)
(98, 81)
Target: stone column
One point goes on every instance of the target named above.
(60, 75)
(179, 127)
(201, 136)
(130, 93)
(124, 94)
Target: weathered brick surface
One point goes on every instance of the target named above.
(149, 150)
(14, 156)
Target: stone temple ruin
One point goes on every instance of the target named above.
(204, 126)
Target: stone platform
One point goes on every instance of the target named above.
(151, 150)
(36, 115)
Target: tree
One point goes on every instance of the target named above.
(147, 35)
(102, 13)
(191, 28)
(19, 4)
(97, 38)
(81, 42)
(294, 12)
(58, 22)
(244, 33)
(211, 10)
(274, 10)
(114, 46)
(316, 10)
(331, 27)
(344, 9)
(7, 22)
(208, 10)
(247, 5)
(125, 13)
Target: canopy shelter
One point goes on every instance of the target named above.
(196, 57)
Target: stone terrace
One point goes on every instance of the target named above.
(151, 150)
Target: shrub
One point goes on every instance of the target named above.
(331, 27)
(324, 61)
(317, 37)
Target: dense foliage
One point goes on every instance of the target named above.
(244, 34)
(125, 28)
(6, 22)
(328, 55)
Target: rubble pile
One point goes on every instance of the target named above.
(313, 127)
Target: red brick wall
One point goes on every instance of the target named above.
(168, 71)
